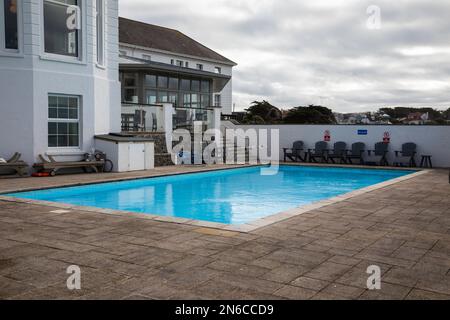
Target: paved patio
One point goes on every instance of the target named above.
(322, 254)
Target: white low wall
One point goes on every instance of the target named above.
(430, 140)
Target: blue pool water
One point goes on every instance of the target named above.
(233, 196)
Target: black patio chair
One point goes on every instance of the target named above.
(409, 151)
(381, 150)
(356, 153)
(339, 152)
(294, 153)
(319, 152)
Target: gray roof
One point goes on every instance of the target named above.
(161, 38)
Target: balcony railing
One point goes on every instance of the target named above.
(184, 118)
(142, 118)
(150, 118)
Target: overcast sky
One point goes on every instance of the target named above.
(293, 52)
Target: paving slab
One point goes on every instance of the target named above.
(323, 253)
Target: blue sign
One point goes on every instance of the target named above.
(362, 132)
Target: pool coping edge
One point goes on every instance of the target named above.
(243, 228)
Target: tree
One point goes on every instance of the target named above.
(265, 111)
(249, 119)
(310, 115)
(446, 114)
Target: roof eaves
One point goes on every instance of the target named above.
(228, 62)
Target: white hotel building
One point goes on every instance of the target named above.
(60, 87)
(167, 66)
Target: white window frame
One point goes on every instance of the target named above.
(199, 66)
(3, 50)
(101, 60)
(78, 120)
(81, 37)
(218, 70)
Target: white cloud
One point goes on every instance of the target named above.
(294, 52)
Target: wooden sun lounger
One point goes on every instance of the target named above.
(19, 166)
(53, 166)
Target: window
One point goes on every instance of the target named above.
(100, 32)
(205, 103)
(150, 96)
(147, 57)
(185, 85)
(186, 100)
(199, 66)
(217, 100)
(162, 97)
(130, 93)
(205, 86)
(63, 121)
(59, 39)
(156, 88)
(172, 61)
(195, 85)
(11, 31)
(150, 80)
(186, 64)
(173, 98)
(162, 82)
(195, 100)
(130, 80)
(179, 63)
(218, 70)
(173, 83)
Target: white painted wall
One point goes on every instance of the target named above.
(28, 77)
(432, 140)
(208, 65)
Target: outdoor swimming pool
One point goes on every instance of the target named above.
(232, 196)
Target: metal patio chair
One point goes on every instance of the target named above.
(319, 152)
(139, 120)
(356, 153)
(294, 153)
(338, 152)
(409, 151)
(381, 150)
